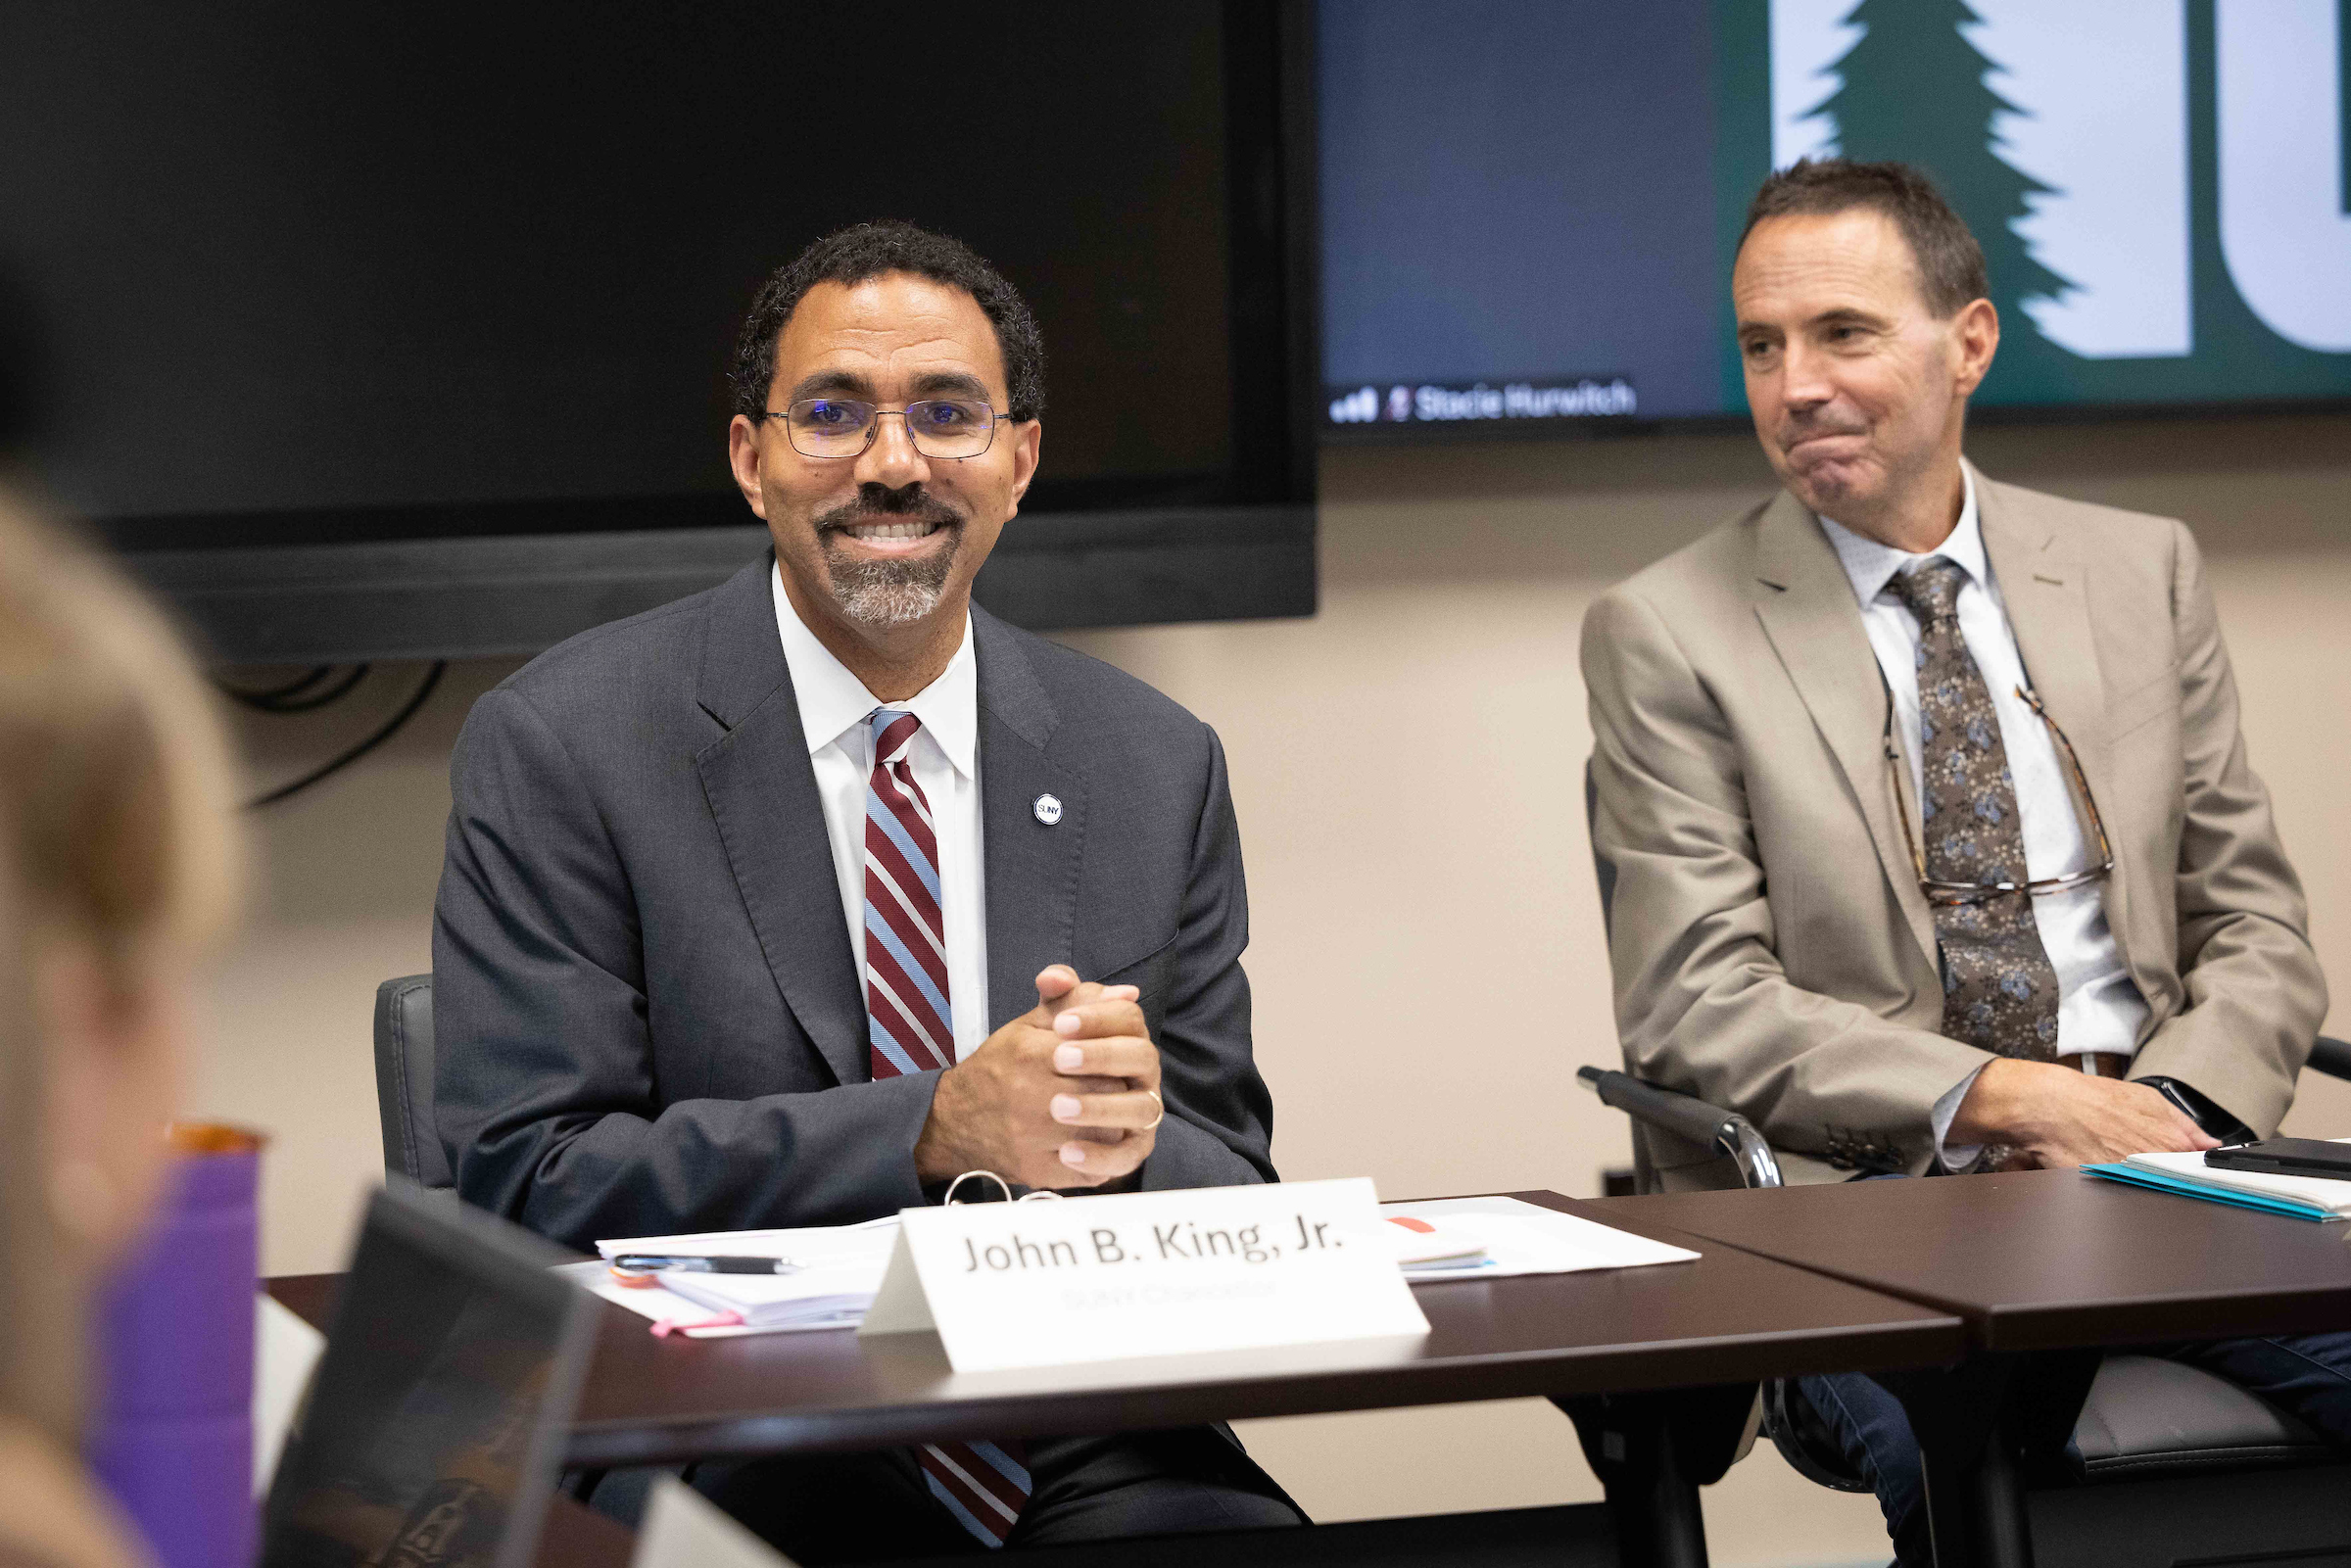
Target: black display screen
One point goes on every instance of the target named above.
(298, 262)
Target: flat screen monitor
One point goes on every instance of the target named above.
(1529, 207)
(465, 279)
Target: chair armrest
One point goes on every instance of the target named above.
(1689, 1118)
(2330, 1057)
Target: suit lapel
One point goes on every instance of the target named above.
(1806, 605)
(1032, 865)
(2045, 587)
(762, 792)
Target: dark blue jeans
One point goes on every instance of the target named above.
(2308, 1375)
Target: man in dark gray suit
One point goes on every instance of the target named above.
(770, 907)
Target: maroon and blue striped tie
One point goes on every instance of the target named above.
(910, 1028)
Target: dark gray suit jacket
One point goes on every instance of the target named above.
(647, 1012)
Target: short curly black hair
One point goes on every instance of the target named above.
(866, 251)
(1950, 264)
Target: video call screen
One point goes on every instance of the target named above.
(1529, 207)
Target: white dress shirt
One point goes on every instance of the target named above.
(834, 707)
(2098, 1008)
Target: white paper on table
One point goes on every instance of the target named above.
(806, 1241)
(1419, 1245)
(822, 1294)
(1523, 1238)
(683, 1529)
(651, 1300)
(832, 1246)
(285, 1352)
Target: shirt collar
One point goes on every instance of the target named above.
(833, 700)
(1869, 565)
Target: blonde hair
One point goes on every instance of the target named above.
(117, 832)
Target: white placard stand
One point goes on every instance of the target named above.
(1137, 1274)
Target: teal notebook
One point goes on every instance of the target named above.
(2138, 1176)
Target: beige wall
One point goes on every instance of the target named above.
(1427, 957)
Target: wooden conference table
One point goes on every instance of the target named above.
(2034, 1262)
(576, 1535)
(1657, 1365)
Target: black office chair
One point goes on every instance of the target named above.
(403, 1082)
(2176, 1465)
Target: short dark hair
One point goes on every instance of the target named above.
(867, 251)
(1950, 264)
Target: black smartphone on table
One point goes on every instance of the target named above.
(2285, 1157)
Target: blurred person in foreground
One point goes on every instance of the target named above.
(118, 860)
(792, 902)
(1936, 845)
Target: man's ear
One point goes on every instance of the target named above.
(1975, 339)
(1024, 463)
(743, 458)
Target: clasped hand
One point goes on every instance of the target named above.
(1065, 1095)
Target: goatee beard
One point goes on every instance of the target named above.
(887, 592)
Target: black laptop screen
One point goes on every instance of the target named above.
(426, 1439)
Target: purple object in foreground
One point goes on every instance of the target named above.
(173, 1433)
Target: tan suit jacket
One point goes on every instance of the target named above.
(1771, 949)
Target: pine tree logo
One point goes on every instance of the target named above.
(1912, 88)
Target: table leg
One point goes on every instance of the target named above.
(1651, 1452)
(1978, 1425)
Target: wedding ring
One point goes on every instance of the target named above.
(1162, 1108)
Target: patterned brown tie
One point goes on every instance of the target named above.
(1998, 990)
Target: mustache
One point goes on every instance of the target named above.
(879, 502)
(1792, 431)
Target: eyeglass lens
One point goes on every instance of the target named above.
(844, 427)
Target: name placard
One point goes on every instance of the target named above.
(1150, 1274)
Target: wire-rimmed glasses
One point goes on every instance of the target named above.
(952, 428)
(1951, 893)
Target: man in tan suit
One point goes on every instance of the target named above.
(1932, 839)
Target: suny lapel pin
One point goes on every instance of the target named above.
(1047, 809)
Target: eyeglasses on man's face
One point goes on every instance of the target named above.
(1949, 893)
(844, 427)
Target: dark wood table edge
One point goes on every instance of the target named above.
(308, 1297)
(2007, 1330)
(1938, 1338)
(1926, 1342)
(575, 1536)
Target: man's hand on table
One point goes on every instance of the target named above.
(2055, 1115)
(1063, 1096)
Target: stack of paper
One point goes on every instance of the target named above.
(840, 1270)
(1520, 1238)
(1423, 1247)
(2303, 1196)
(814, 1299)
